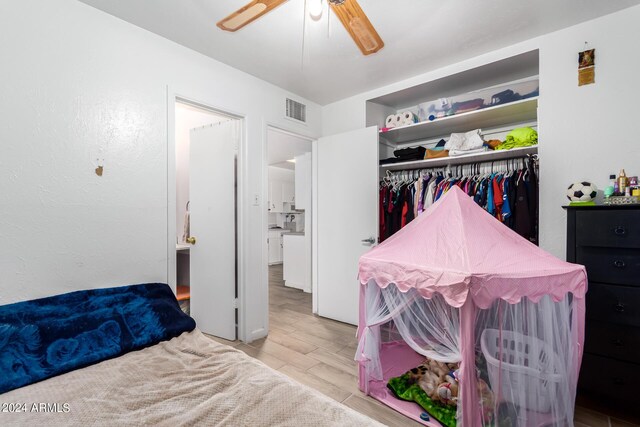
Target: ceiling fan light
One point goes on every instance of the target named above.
(315, 9)
(236, 21)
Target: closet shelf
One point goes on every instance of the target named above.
(524, 110)
(486, 156)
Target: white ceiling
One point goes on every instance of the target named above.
(283, 146)
(419, 35)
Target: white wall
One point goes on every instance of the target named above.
(585, 132)
(79, 85)
(282, 174)
(588, 131)
(187, 118)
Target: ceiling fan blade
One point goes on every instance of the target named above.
(358, 26)
(247, 14)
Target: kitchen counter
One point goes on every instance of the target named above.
(286, 231)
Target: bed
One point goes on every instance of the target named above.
(184, 379)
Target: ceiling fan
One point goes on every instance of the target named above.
(348, 11)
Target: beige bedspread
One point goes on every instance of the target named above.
(190, 380)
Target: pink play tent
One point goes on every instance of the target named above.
(455, 285)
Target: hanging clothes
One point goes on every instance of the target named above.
(510, 196)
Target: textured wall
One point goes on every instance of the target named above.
(81, 88)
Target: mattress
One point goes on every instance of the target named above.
(190, 380)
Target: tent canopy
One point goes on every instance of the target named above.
(457, 249)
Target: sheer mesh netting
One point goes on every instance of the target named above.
(528, 356)
(521, 360)
(429, 326)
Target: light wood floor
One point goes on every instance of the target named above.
(319, 352)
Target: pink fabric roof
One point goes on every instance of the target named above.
(457, 249)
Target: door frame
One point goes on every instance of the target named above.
(265, 195)
(172, 96)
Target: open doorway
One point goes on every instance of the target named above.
(289, 222)
(206, 154)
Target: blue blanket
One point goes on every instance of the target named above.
(50, 336)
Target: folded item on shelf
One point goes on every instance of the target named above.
(405, 155)
(436, 154)
(493, 143)
(454, 152)
(465, 141)
(465, 106)
(519, 137)
(441, 143)
(417, 152)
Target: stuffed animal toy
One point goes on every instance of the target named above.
(438, 368)
(448, 393)
(425, 378)
(448, 390)
(438, 380)
(429, 383)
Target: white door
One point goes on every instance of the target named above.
(347, 215)
(212, 189)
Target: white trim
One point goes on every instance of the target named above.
(265, 213)
(314, 227)
(173, 96)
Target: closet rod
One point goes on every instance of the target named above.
(503, 165)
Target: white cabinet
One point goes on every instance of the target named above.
(281, 189)
(275, 196)
(303, 181)
(275, 247)
(288, 193)
(293, 265)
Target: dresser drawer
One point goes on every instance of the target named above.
(618, 229)
(609, 377)
(611, 340)
(609, 265)
(614, 304)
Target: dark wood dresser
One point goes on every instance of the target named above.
(606, 240)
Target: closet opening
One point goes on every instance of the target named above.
(206, 209)
(289, 224)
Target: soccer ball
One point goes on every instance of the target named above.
(581, 192)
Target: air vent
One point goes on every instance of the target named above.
(296, 110)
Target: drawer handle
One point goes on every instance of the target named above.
(619, 263)
(617, 342)
(619, 308)
(620, 231)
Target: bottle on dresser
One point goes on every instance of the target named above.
(623, 183)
